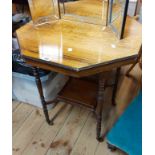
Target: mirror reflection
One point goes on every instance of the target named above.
(90, 11)
(43, 11)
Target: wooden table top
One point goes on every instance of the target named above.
(75, 47)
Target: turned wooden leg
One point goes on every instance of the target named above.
(100, 100)
(40, 90)
(115, 85)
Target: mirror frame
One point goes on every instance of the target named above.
(120, 34)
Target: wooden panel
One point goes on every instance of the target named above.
(75, 91)
(78, 46)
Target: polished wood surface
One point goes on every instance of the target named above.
(77, 46)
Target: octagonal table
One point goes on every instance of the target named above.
(79, 50)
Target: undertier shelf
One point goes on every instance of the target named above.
(80, 91)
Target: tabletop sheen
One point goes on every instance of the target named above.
(78, 46)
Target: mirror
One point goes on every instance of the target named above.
(90, 11)
(99, 12)
(117, 16)
(43, 11)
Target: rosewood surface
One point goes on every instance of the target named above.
(77, 47)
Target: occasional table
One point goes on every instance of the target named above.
(79, 50)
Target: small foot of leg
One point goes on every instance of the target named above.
(51, 123)
(111, 147)
(100, 139)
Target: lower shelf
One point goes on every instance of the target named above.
(80, 91)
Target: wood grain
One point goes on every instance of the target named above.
(78, 46)
(27, 131)
(69, 132)
(86, 148)
(19, 116)
(46, 134)
(15, 104)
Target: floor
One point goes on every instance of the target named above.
(74, 129)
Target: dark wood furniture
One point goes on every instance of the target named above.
(82, 92)
(79, 50)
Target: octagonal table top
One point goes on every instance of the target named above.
(77, 47)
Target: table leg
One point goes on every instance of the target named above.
(115, 85)
(100, 100)
(40, 90)
(130, 69)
